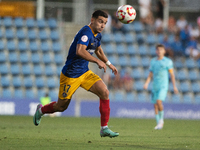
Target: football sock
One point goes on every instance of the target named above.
(103, 127)
(48, 109)
(157, 118)
(104, 109)
(161, 115)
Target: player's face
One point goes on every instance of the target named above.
(160, 51)
(99, 24)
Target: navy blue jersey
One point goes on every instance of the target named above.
(75, 66)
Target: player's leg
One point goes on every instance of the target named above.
(156, 113)
(160, 110)
(153, 100)
(100, 89)
(94, 84)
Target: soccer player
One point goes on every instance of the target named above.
(76, 73)
(159, 68)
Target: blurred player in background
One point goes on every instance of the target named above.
(159, 68)
(76, 73)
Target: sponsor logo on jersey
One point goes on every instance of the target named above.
(84, 38)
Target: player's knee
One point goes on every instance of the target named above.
(105, 94)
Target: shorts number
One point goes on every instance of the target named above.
(68, 87)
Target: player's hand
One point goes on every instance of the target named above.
(114, 69)
(176, 90)
(101, 65)
(145, 86)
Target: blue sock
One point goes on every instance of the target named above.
(157, 118)
(161, 115)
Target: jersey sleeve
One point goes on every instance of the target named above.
(84, 37)
(170, 65)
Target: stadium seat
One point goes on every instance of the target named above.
(129, 38)
(146, 73)
(28, 82)
(26, 69)
(124, 61)
(138, 26)
(179, 63)
(47, 58)
(109, 49)
(113, 59)
(143, 50)
(11, 45)
(22, 46)
(2, 45)
(145, 61)
(152, 50)
(53, 94)
(50, 70)
(7, 93)
(52, 83)
(118, 37)
(131, 97)
(58, 70)
(40, 82)
(24, 57)
(107, 38)
(194, 75)
(19, 93)
(41, 92)
(119, 95)
(33, 46)
(9, 34)
(32, 35)
(151, 39)
(190, 63)
(185, 86)
(38, 70)
(132, 50)
(171, 38)
(7, 21)
(52, 23)
(56, 47)
(3, 57)
(182, 74)
(121, 49)
(29, 93)
(140, 38)
(36, 58)
(58, 59)
(1, 33)
(30, 22)
(176, 98)
(54, 35)
(138, 85)
(5, 81)
(160, 38)
(17, 81)
(143, 97)
(45, 47)
(41, 23)
(43, 35)
(188, 98)
(196, 87)
(4, 69)
(15, 69)
(19, 23)
(135, 61)
(20, 33)
(197, 99)
(168, 98)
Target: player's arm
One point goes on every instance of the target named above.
(148, 80)
(171, 72)
(81, 51)
(100, 54)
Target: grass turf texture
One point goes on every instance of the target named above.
(19, 133)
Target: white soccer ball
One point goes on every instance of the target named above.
(126, 14)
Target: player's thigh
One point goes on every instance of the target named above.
(68, 86)
(100, 89)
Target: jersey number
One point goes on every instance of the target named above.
(68, 87)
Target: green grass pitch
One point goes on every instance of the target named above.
(59, 133)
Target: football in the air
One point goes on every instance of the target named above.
(126, 14)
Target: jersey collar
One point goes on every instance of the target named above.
(93, 31)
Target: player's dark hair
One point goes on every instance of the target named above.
(160, 45)
(98, 13)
